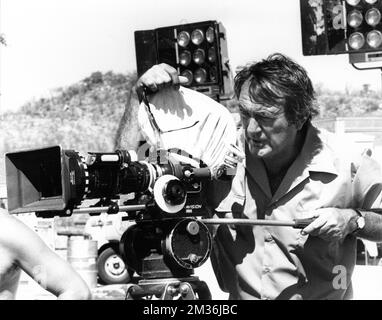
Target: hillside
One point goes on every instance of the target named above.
(84, 116)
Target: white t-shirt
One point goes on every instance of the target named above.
(188, 120)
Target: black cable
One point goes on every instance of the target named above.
(367, 68)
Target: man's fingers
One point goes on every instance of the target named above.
(316, 224)
(152, 86)
(171, 73)
(150, 81)
(234, 152)
(183, 80)
(159, 76)
(230, 161)
(162, 79)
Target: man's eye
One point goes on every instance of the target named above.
(263, 119)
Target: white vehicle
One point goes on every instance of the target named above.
(107, 229)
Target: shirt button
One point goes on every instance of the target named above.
(266, 269)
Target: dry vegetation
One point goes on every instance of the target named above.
(86, 116)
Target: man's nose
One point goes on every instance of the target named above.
(253, 126)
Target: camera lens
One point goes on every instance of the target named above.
(174, 192)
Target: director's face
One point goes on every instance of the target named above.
(267, 131)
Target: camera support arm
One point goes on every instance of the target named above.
(98, 210)
(296, 223)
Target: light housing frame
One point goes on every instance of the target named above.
(161, 46)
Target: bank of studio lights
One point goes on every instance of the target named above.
(363, 18)
(197, 55)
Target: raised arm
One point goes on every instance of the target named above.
(157, 77)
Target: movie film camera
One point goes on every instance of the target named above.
(164, 198)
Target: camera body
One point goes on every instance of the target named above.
(164, 198)
(53, 182)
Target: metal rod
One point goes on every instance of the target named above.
(297, 223)
(250, 222)
(105, 209)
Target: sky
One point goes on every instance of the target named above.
(54, 43)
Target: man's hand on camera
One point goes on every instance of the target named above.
(159, 76)
(233, 155)
(331, 224)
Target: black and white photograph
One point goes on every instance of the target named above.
(207, 151)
